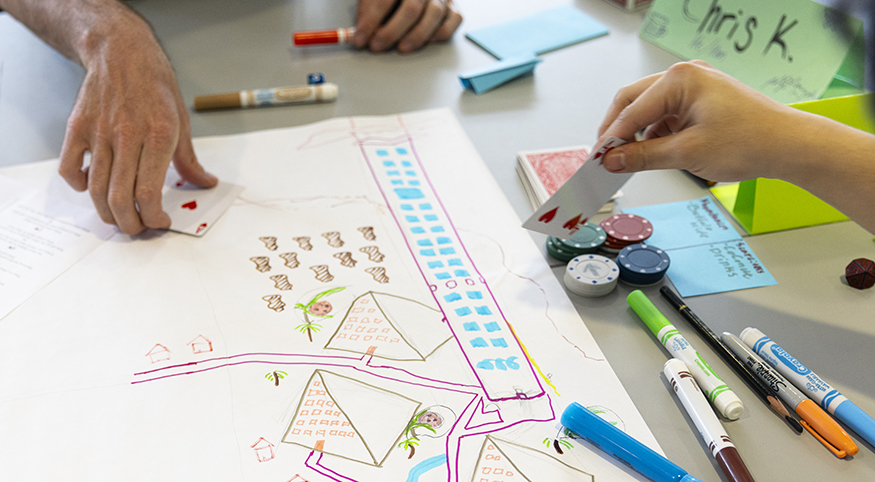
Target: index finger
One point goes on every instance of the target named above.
(152, 170)
(626, 96)
(368, 19)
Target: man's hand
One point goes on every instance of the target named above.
(407, 24)
(129, 113)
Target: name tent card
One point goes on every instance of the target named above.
(790, 50)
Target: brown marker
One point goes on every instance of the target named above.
(305, 94)
(710, 428)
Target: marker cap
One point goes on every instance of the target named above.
(729, 405)
(858, 420)
(648, 313)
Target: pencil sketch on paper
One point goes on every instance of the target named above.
(332, 418)
(318, 308)
(387, 326)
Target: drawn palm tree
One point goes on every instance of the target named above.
(275, 376)
(410, 432)
(318, 308)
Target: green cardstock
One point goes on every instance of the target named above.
(768, 205)
(790, 50)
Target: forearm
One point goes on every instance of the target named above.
(79, 29)
(832, 161)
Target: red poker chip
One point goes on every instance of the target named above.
(627, 228)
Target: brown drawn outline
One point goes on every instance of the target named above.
(493, 440)
(304, 395)
(376, 355)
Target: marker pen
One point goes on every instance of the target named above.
(726, 402)
(815, 420)
(318, 37)
(622, 446)
(706, 422)
(815, 387)
(305, 94)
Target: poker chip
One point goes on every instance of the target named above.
(558, 252)
(625, 229)
(642, 264)
(591, 275)
(586, 240)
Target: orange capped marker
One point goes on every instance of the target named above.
(814, 419)
(319, 37)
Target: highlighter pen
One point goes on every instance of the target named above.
(809, 383)
(711, 430)
(815, 420)
(305, 94)
(740, 369)
(321, 37)
(726, 402)
(622, 446)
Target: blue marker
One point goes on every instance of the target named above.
(812, 385)
(622, 446)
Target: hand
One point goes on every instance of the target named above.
(412, 24)
(130, 116)
(699, 119)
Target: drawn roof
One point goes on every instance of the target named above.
(348, 418)
(503, 461)
(389, 326)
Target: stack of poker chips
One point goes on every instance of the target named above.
(642, 264)
(591, 275)
(624, 230)
(587, 240)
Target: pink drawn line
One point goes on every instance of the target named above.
(244, 354)
(368, 363)
(336, 365)
(326, 469)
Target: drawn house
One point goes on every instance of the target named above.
(264, 450)
(350, 419)
(391, 327)
(201, 345)
(503, 461)
(158, 353)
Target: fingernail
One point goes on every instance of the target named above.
(615, 160)
(359, 40)
(377, 44)
(212, 179)
(405, 46)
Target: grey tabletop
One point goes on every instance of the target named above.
(224, 45)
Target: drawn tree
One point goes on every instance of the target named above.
(275, 376)
(318, 308)
(425, 419)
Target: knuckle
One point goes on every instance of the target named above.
(411, 9)
(146, 194)
(118, 200)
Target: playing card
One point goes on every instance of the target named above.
(194, 210)
(553, 167)
(580, 197)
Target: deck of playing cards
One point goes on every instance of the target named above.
(194, 210)
(544, 172)
(580, 197)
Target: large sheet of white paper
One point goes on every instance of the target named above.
(368, 310)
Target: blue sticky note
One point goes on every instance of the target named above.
(686, 223)
(538, 33)
(707, 254)
(716, 268)
(487, 78)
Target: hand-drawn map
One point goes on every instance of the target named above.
(368, 310)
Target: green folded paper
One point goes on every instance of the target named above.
(768, 205)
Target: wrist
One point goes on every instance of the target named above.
(116, 27)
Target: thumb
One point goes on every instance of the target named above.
(651, 154)
(186, 164)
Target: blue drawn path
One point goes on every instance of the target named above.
(426, 465)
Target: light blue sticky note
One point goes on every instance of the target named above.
(538, 33)
(686, 223)
(487, 78)
(707, 253)
(716, 268)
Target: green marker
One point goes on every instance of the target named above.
(723, 399)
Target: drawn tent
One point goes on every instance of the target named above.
(503, 461)
(391, 327)
(348, 418)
